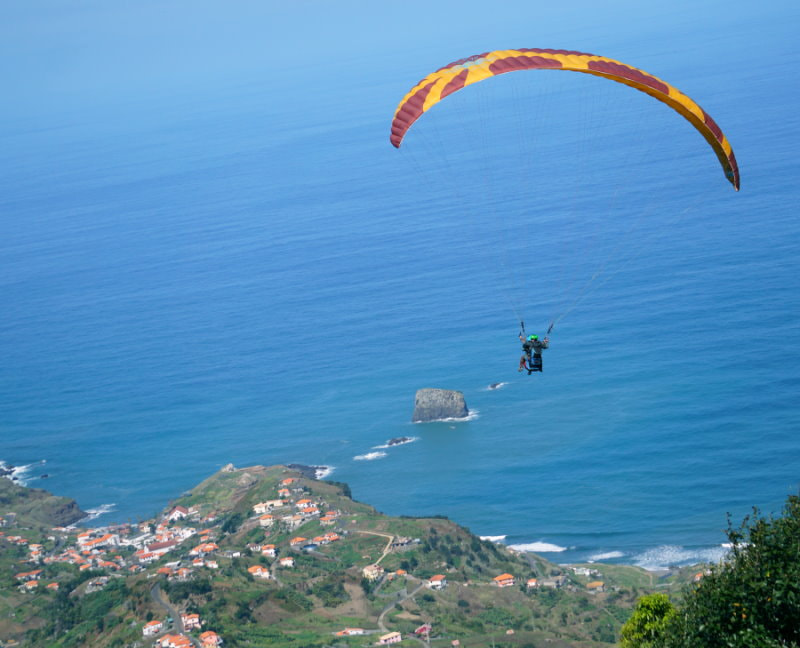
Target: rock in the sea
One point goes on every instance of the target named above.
(438, 404)
(399, 441)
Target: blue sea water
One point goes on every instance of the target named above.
(241, 269)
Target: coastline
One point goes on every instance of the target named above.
(656, 559)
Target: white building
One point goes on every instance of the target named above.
(178, 513)
(391, 638)
(151, 628)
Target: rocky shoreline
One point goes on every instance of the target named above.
(311, 472)
(15, 473)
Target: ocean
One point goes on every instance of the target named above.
(203, 274)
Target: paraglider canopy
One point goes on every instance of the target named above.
(459, 74)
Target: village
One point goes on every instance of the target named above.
(186, 541)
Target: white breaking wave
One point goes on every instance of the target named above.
(321, 472)
(606, 555)
(398, 443)
(94, 513)
(493, 538)
(539, 547)
(19, 474)
(659, 558)
(370, 456)
(473, 414)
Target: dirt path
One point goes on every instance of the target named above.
(274, 571)
(383, 535)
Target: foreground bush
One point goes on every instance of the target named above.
(752, 600)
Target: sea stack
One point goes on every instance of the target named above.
(438, 404)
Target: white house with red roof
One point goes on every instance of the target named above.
(160, 548)
(437, 582)
(152, 628)
(504, 580)
(29, 576)
(174, 641)
(372, 572)
(191, 621)
(178, 513)
(146, 556)
(82, 538)
(259, 571)
(105, 540)
(210, 639)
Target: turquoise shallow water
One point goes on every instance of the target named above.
(191, 283)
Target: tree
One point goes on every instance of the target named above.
(232, 523)
(750, 600)
(648, 621)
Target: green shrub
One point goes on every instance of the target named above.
(751, 600)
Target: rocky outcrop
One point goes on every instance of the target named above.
(246, 480)
(36, 507)
(310, 472)
(438, 404)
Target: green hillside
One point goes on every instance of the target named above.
(353, 567)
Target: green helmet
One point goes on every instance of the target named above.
(533, 337)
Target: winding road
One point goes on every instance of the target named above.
(155, 594)
(391, 605)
